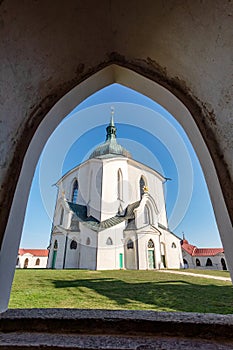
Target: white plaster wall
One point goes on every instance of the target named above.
(88, 253)
(155, 187)
(89, 177)
(61, 203)
(32, 261)
(143, 239)
(174, 256)
(110, 201)
(131, 255)
(61, 238)
(108, 257)
(72, 255)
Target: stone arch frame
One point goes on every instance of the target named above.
(159, 88)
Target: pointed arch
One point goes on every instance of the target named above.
(37, 262)
(119, 185)
(61, 216)
(214, 168)
(75, 192)
(73, 245)
(109, 241)
(130, 244)
(142, 185)
(209, 262)
(150, 244)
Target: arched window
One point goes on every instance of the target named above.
(37, 262)
(25, 263)
(119, 185)
(17, 262)
(198, 263)
(146, 215)
(186, 265)
(223, 262)
(150, 244)
(61, 216)
(88, 241)
(130, 244)
(73, 244)
(173, 245)
(75, 192)
(209, 262)
(142, 184)
(109, 241)
(55, 246)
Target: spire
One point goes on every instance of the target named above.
(112, 117)
(111, 129)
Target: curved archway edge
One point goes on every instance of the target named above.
(107, 76)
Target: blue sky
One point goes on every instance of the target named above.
(152, 136)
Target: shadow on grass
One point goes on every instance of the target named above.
(162, 295)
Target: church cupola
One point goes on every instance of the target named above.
(110, 147)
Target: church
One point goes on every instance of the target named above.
(110, 214)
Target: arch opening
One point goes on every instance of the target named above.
(57, 113)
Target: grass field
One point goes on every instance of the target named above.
(139, 290)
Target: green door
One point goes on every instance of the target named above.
(151, 259)
(121, 260)
(54, 258)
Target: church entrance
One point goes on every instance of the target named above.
(151, 255)
(55, 247)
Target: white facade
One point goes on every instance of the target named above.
(32, 259)
(110, 214)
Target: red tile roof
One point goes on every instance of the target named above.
(34, 252)
(194, 251)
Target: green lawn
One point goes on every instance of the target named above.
(220, 273)
(138, 290)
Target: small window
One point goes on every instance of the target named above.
(61, 216)
(173, 245)
(73, 244)
(150, 244)
(209, 262)
(55, 246)
(37, 262)
(120, 185)
(75, 192)
(198, 263)
(109, 241)
(142, 185)
(130, 244)
(88, 241)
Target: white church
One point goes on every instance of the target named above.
(110, 214)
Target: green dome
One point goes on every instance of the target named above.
(110, 147)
